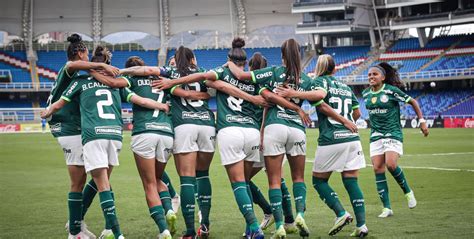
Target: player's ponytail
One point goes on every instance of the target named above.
(102, 54)
(237, 54)
(258, 61)
(391, 75)
(325, 65)
(134, 61)
(290, 53)
(76, 45)
(184, 61)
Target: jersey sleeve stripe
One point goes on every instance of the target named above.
(65, 98)
(215, 73)
(128, 82)
(130, 96)
(355, 107)
(254, 80)
(174, 88)
(321, 88)
(318, 103)
(408, 99)
(260, 91)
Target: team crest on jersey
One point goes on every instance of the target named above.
(384, 98)
(373, 100)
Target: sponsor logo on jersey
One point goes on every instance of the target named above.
(116, 130)
(55, 128)
(399, 97)
(378, 111)
(373, 100)
(157, 126)
(264, 75)
(384, 98)
(196, 115)
(344, 134)
(220, 70)
(239, 119)
(72, 88)
(285, 116)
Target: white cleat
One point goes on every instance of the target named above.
(267, 221)
(175, 203)
(107, 234)
(280, 233)
(386, 212)
(361, 231)
(411, 199)
(340, 223)
(165, 235)
(83, 229)
(80, 235)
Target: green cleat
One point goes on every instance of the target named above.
(107, 234)
(280, 233)
(171, 221)
(340, 223)
(362, 231)
(165, 235)
(302, 227)
(290, 228)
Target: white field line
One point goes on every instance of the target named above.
(430, 168)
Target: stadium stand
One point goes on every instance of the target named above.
(440, 102)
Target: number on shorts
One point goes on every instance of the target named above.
(161, 94)
(340, 107)
(102, 103)
(193, 103)
(235, 103)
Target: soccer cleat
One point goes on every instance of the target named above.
(257, 234)
(171, 221)
(175, 202)
(290, 228)
(411, 199)
(165, 235)
(188, 237)
(107, 234)
(203, 231)
(302, 227)
(362, 231)
(386, 212)
(280, 233)
(121, 237)
(340, 222)
(83, 229)
(80, 235)
(267, 221)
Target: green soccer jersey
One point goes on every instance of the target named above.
(67, 121)
(272, 77)
(384, 112)
(101, 108)
(149, 120)
(232, 111)
(186, 111)
(341, 98)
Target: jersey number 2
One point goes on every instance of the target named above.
(102, 103)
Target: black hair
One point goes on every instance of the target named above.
(237, 54)
(183, 58)
(134, 61)
(76, 45)
(391, 75)
(290, 53)
(258, 61)
(102, 54)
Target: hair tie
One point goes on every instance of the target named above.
(379, 69)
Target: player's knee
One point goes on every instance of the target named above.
(391, 166)
(379, 168)
(77, 185)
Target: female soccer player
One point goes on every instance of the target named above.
(386, 138)
(152, 143)
(339, 149)
(101, 124)
(65, 125)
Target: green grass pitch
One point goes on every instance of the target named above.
(34, 185)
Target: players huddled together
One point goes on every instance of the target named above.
(259, 124)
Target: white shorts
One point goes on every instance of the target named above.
(152, 146)
(339, 157)
(194, 138)
(72, 148)
(261, 163)
(238, 143)
(101, 153)
(381, 146)
(281, 139)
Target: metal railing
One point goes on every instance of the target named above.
(26, 86)
(407, 76)
(62, 46)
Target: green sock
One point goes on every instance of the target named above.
(108, 207)
(88, 194)
(382, 189)
(158, 215)
(357, 199)
(166, 179)
(74, 201)
(299, 192)
(245, 204)
(108, 226)
(188, 203)
(276, 201)
(249, 192)
(400, 178)
(328, 195)
(286, 203)
(204, 191)
(259, 199)
(165, 198)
